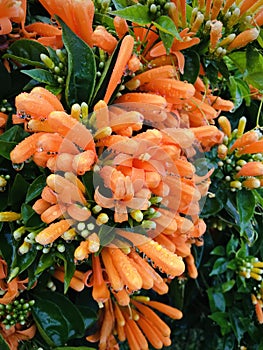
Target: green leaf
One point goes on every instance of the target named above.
(6, 147)
(81, 76)
(27, 51)
(35, 188)
(166, 25)
(219, 267)
(167, 31)
(106, 234)
(89, 315)
(29, 216)
(23, 261)
(246, 206)
(18, 191)
(216, 300)
(16, 134)
(120, 4)
(72, 315)
(240, 60)
(227, 286)
(41, 75)
(232, 245)
(68, 258)
(102, 85)
(88, 182)
(254, 68)
(136, 13)
(50, 322)
(6, 77)
(45, 261)
(3, 344)
(192, 65)
(235, 91)
(221, 318)
(219, 250)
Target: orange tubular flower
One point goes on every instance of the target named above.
(14, 335)
(77, 14)
(10, 10)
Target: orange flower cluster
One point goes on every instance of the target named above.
(137, 322)
(241, 156)
(16, 333)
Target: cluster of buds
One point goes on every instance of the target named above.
(3, 182)
(230, 25)
(241, 157)
(157, 8)
(250, 267)
(17, 312)
(102, 6)
(57, 65)
(5, 106)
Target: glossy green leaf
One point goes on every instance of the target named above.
(232, 245)
(71, 314)
(3, 344)
(102, 85)
(6, 77)
(81, 76)
(27, 51)
(6, 147)
(88, 314)
(50, 322)
(136, 13)
(45, 261)
(236, 92)
(15, 133)
(88, 182)
(219, 250)
(41, 75)
(166, 25)
(106, 234)
(228, 285)
(68, 258)
(18, 191)
(219, 267)
(7, 247)
(240, 59)
(29, 216)
(35, 188)
(120, 4)
(192, 66)
(22, 262)
(254, 68)
(216, 300)
(221, 318)
(246, 206)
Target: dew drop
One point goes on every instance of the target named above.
(18, 167)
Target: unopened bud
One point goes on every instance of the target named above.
(102, 219)
(47, 61)
(137, 215)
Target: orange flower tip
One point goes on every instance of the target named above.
(251, 183)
